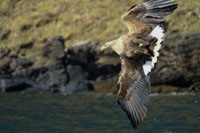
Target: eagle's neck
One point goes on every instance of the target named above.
(118, 46)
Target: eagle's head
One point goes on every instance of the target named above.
(106, 45)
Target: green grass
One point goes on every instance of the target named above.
(25, 21)
(186, 19)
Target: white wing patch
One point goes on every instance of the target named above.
(157, 32)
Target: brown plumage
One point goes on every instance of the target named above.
(135, 49)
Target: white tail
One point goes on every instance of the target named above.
(158, 32)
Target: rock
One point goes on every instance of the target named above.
(54, 76)
(95, 63)
(83, 67)
(77, 86)
(52, 52)
(4, 61)
(76, 73)
(51, 67)
(80, 54)
(8, 84)
(19, 83)
(179, 62)
(51, 71)
(4, 66)
(106, 84)
(47, 73)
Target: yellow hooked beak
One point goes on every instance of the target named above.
(140, 45)
(103, 47)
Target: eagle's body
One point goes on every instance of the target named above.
(138, 51)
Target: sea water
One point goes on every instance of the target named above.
(95, 113)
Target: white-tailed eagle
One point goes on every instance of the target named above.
(138, 51)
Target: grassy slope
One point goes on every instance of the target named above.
(25, 21)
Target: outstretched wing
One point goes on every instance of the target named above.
(146, 16)
(134, 90)
(134, 84)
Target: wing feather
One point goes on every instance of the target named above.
(146, 16)
(133, 92)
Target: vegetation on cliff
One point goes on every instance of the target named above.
(29, 23)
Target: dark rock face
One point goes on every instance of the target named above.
(179, 62)
(93, 61)
(83, 67)
(77, 86)
(51, 66)
(48, 73)
(19, 73)
(10, 84)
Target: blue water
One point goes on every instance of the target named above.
(94, 113)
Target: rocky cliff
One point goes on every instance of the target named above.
(83, 67)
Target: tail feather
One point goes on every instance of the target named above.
(158, 33)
